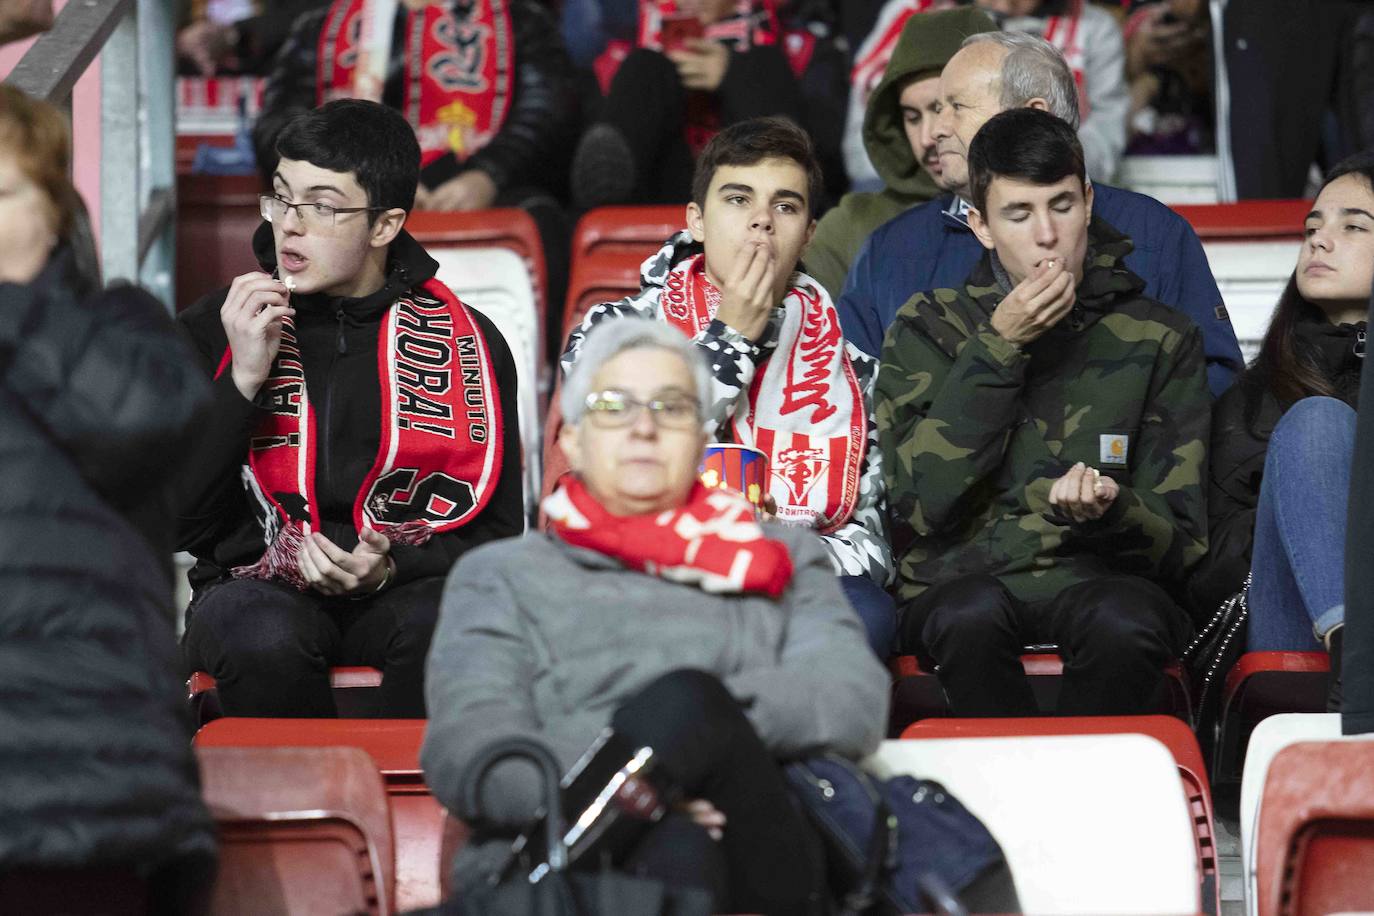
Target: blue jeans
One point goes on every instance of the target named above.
(1297, 586)
(876, 608)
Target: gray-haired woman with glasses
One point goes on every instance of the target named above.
(666, 611)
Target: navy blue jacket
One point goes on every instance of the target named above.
(931, 247)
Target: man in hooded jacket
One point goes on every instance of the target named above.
(898, 135)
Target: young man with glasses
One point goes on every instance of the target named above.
(364, 433)
(783, 379)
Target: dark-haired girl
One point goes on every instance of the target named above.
(1283, 436)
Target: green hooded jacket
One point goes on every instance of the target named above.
(974, 431)
(926, 44)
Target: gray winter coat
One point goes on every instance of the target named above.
(537, 638)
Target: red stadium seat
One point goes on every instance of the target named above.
(1263, 684)
(916, 692)
(604, 276)
(1315, 850)
(503, 227)
(355, 692)
(394, 746)
(301, 830)
(596, 278)
(1171, 732)
(216, 217)
(635, 231)
(1246, 220)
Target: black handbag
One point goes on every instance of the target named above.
(1214, 650)
(537, 879)
(897, 845)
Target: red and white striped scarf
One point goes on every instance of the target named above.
(713, 541)
(459, 67)
(441, 444)
(805, 408)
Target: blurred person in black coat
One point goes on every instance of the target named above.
(97, 396)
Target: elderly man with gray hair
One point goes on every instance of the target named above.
(932, 247)
(668, 612)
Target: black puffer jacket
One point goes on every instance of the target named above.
(338, 341)
(1243, 419)
(97, 395)
(535, 138)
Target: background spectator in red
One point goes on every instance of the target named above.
(700, 66)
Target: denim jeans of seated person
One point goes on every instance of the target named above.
(1297, 585)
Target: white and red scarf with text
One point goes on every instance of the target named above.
(805, 409)
(441, 444)
(459, 66)
(713, 541)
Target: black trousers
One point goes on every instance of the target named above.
(1116, 634)
(270, 647)
(769, 859)
(647, 104)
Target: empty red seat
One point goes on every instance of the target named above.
(504, 227)
(1262, 684)
(1170, 731)
(1315, 848)
(1247, 219)
(394, 747)
(596, 278)
(301, 830)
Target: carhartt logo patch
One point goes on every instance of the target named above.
(1114, 449)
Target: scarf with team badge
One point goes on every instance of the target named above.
(441, 444)
(459, 63)
(805, 408)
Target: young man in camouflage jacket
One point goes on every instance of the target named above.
(1043, 433)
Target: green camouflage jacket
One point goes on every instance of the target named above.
(974, 431)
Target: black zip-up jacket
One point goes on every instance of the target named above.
(338, 343)
(534, 140)
(1238, 450)
(98, 398)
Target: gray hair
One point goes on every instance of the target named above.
(1033, 69)
(609, 339)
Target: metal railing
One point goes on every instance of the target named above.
(133, 39)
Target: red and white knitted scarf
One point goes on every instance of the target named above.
(441, 445)
(459, 67)
(805, 408)
(712, 542)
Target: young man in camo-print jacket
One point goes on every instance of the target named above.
(1044, 431)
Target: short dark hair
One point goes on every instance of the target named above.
(750, 142)
(1026, 144)
(370, 140)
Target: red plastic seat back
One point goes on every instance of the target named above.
(394, 747)
(216, 218)
(1315, 849)
(505, 227)
(597, 278)
(1247, 219)
(301, 830)
(636, 231)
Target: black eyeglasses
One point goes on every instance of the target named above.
(317, 216)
